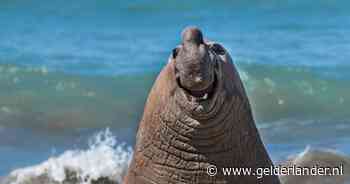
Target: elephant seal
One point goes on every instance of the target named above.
(197, 115)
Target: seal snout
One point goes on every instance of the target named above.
(192, 35)
(194, 66)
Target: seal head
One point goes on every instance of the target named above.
(194, 67)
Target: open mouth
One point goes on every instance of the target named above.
(201, 95)
(205, 103)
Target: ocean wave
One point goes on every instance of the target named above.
(41, 99)
(320, 158)
(45, 100)
(278, 92)
(106, 160)
(303, 132)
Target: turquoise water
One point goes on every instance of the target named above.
(70, 69)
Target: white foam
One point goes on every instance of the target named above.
(105, 157)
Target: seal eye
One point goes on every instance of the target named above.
(218, 49)
(174, 53)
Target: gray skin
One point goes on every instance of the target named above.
(197, 115)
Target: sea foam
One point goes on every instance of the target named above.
(105, 160)
(322, 158)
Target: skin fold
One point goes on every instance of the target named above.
(197, 115)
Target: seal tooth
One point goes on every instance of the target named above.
(198, 79)
(205, 96)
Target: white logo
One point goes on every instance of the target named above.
(212, 170)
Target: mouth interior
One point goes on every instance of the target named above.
(204, 94)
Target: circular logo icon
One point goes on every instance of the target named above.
(212, 170)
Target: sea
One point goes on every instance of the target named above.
(74, 75)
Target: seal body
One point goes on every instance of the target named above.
(204, 121)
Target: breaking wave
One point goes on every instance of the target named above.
(322, 158)
(106, 160)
